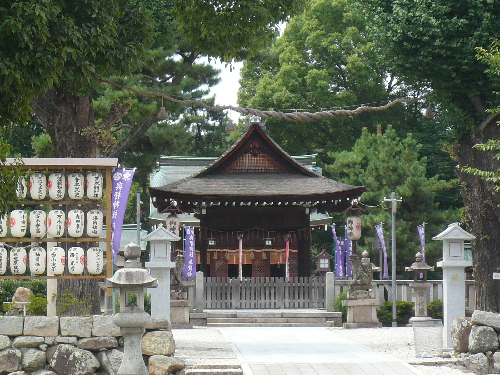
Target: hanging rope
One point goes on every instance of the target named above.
(291, 116)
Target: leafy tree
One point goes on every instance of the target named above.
(385, 162)
(435, 42)
(325, 59)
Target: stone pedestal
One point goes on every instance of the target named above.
(179, 307)
(361, 309)
(160, 296)
(421, 293)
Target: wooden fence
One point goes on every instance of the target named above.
(304, 292)
(265, 293)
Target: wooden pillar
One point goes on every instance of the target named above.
(304, 250)
(203, 246)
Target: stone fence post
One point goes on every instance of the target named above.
(200, 292)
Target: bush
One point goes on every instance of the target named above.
(37, 305)
(435, 309)
(337, 305)
(404, 311)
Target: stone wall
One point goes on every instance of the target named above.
(477, 339)
(47, 345)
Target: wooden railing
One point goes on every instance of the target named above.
(303, 292)
(265, 293)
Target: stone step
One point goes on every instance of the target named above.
(265, 320)
(284, 324)
(213, 369)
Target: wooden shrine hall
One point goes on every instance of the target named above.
(255, 200)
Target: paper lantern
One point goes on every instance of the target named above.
(21, 188)
(56, 260)
(76, 260)
(57, 186)
(94, 185)
(75, 223)
(3, 225)
(18, 260)
(173, 223)
(3, 260)
(38, 223)
(38, 186)
(354, 227)
(75, 186)
(56, 219)
(18, 223)
(38, 259)
(95, 260)
(94, 223)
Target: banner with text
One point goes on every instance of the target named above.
(189, 253)
(120, 188)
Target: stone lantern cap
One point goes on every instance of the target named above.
(419, 266)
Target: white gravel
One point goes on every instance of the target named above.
(398, 343)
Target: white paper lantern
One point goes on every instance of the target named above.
(56, 219)
(18, 260)
(76, 260)
(75, 223)
(21, 188)
(95, 260)
(38, 223)
(56, 260)
(3, 260)
(18, 223)
(38, 259)
(354, 227)
(94, 223)
(75, 186)
(57, 186)
(94, 185)
(3, 225)
(38, 186)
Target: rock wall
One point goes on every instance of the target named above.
(477, 338)
(46, 345)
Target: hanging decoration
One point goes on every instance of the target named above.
(38, 259)
(56, 260)
(18, 223)
(38, 223)
(94, 223)
(3, 258)
(3, 225)
(76, 260)
(121, 182)
(55, 227)
(75, 223)
(380, 233)
(21, 189)
(38, 186)
(18, 259)
(189, 253)
(240, 256)
(57, 186)
(287, 256)
(75, 186)
(94, 185)
(95, 260)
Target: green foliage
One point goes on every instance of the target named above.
(435, 309)
(37, 305)
(403, 313)
(337, 305)
(8, 288)
(385, 162)
(68, 305)
(8, 196)
(132, 301)
(42, 146)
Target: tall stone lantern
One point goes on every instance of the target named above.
(132, 320)
(420, 287)
(160, 265)
(453, 265)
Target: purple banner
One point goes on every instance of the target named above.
(421, 234)
(380, 233)
(348, 251)
(120, 188)
(340, 257)
(189, 253)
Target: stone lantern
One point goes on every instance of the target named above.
(453, 265)
(132, 320)
(420, 287)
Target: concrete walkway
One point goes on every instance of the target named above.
(306, 351)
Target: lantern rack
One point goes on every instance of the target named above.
(69, 165)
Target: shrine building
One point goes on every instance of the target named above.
(257, 201)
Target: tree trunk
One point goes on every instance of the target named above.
(482, 216)
(67, 117)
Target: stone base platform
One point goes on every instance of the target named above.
(362, 313)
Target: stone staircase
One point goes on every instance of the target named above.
(213, 370)
(267, 318)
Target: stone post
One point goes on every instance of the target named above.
(200, 292)
(330, 291)
(160, 266)
(453, 265)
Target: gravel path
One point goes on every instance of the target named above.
(398, 343)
